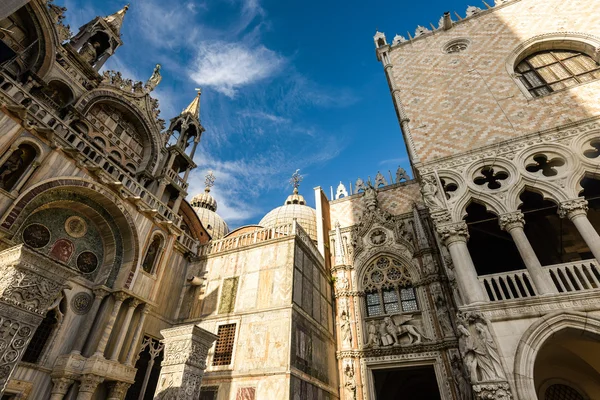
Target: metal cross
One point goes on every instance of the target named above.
(210, 179)
(296, 179)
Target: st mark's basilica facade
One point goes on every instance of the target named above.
(476, 278)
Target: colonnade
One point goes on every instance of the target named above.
(455, 236)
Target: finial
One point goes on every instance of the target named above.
(296, 179)
(194, 108)
(209, 181)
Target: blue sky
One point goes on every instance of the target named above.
(286, 85)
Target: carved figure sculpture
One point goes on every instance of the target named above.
(350, 384)
(458, 376)
(442, 314)
(370, 197)
(154, 80)
(401, 174)
(11, 167)
(89, 52)
(404, 328)
(387, 339)
(491, 350)
(373, 334)
(476, 358)
(345, 329)
(429, 190)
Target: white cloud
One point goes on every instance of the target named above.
(276, 119)
(227, 67)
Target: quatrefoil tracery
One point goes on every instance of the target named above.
(594, 149)
(546, 166)
(450, 187)
(490, 177)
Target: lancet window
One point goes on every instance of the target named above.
(152, 254)
(548, 71)
(388, 288)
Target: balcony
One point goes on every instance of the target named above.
(176, 179)
(46, 122)
(570, 277)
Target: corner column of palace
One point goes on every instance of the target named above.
(183, 366)
(455, 236)
(29, 284)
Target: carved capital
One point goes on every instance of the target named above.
(573, 208)
(511, 221)
(61, 385)
(121, 296)
(456, 232)
(100, 293)
(118, 390)
(135, 303)
(89, 383)
(492, 391)
(441, 217)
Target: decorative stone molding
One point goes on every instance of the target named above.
(492, 391)
(29, 285)
(184, 362)
(573, 208)
(456, 232)
(511, 221)
(74, 366)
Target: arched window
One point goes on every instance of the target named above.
(388, 288)
(16, 165)
(559, 391)
(152, 254)
(548, 71)
(44, 331)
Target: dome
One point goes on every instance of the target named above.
(204, 200)
(212, 222)
(294, 208)
(205, 207)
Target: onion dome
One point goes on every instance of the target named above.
(294, 208)
(205, 207)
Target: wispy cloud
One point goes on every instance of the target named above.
(394, 161)
(226, 67)
(261, 115)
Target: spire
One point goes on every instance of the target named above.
(194, 108)
(115, 21)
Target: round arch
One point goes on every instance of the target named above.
(145, 126)
(537, 335)
(107, 203)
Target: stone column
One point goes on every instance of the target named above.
(89, 384)
(124, 329)
(136, 336)
(154, 348)
(88, 322)
(120, 297)
(60, 387)
(162, 184)
(118, 390)
(177, 203)
(513, 223)
(183, 366)
(29, 284)
(455, 236)
(576, 211)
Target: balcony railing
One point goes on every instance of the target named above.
(568, 277)
(260, 236)
(75, 144)
(171, 174)
(188, 242)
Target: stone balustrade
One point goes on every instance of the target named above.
(175, 178)
(568, 277)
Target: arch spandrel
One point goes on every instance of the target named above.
(104, 202)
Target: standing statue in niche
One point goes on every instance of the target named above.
(89, 52)
(345, 329)
(458, 376)
(401, 174)
(350, 384)
(370, 197)
(11, 167)
(490, 348)
(442, 314)
(154, 80)
(476, 357)
(429, 190)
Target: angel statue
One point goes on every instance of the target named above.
(154, 79)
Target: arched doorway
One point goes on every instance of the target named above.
(567, 367)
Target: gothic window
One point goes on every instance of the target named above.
(16, 165)
(224, 346)
(40, 337)
(388, 288)
(559, 391)
(548, 71)
(152, 254)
